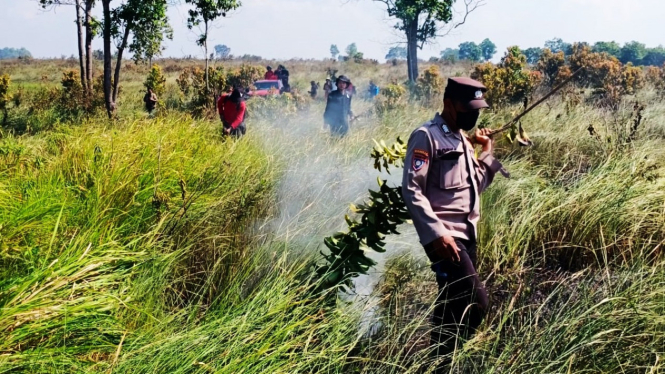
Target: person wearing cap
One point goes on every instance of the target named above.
(270, 75)
(441, 186)
(283, 75)
(327, 88)
(338, 108)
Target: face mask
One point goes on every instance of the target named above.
(467, 121)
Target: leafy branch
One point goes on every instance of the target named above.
(379, 216)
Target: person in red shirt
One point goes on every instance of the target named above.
(270, 75)
(232, 110)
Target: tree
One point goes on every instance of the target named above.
(334, 51)
(7, 53)
(654, 57)
(396, 53)
(488, 49)
(450, 55)
(632, 52)
(86, 29)
(422, 21)
(206, 12)
(222, 51)
(611, 48)
(470, 51)
(533, 55)
(351, 50)
(557, 45)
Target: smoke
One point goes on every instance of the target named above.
(321, 176)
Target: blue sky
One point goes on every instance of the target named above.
(283, 29)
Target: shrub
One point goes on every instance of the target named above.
(430, 84)
(391, 97)
(245, 76)
(156, 80)
(508, 82)
(632, 79)
(599, 69)
(5, 97)
(550, 64)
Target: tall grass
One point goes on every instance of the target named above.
(152, 245)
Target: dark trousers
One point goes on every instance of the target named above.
(238, 131)
(462, 301)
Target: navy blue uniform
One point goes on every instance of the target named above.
(338, 112)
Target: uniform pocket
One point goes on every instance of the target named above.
(451, 170)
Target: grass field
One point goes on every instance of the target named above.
(153, 245)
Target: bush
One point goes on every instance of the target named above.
(245, 76)
(508, 82)
(430, 84)
(156, 80)
(550, 64)
(391, 97)
(5, 97)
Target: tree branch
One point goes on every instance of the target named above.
(469, 7)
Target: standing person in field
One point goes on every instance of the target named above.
(314, 89)
(338, 108)
(270, 75)
(327, 88)
(150, 100)
(441, 186)
(283, 75)
(373, 90)
(232, 110)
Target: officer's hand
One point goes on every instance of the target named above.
(482, 138)
(227, 130)
(445, 248)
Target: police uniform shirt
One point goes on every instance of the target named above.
(338, 108)
(442, 182)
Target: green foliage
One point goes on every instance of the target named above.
(222, 51)
(396, 53)
(470, 51)
(611, 48)
(488, 49)
(156, 80)
(508, 82)
(557, 45)
(450, 55)
(424, 14)
(430, 84)
(391, 97)
(245, 76)
(533, 54)
(334, 51)
(8, 53)
(5, 97)
(207, 11)
(632, 52)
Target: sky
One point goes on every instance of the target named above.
(283, 29)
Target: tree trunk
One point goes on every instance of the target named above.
(108, 99)
(118, 63)
(205, 47)
(79, 33)
(412, 50)
(88, 44)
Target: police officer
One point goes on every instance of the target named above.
(441, 186)
(338, 108)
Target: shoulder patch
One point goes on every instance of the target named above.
(420, 159)
(445, 128)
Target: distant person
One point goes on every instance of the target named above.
(283, 75)
(270, 75)
(232, 110)
(314, 89)
(150, 100)
(338, 109)
(327, 88)
(351, 89)
(373, 90)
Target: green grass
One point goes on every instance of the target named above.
(107, 264)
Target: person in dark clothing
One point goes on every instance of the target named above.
(283, 75)
(150, 100)
(338, 109)
(314, 90)
(232, 110)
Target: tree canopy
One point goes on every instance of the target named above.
(488, 49)
(7, 53)
(470, 51)
(396, 53)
